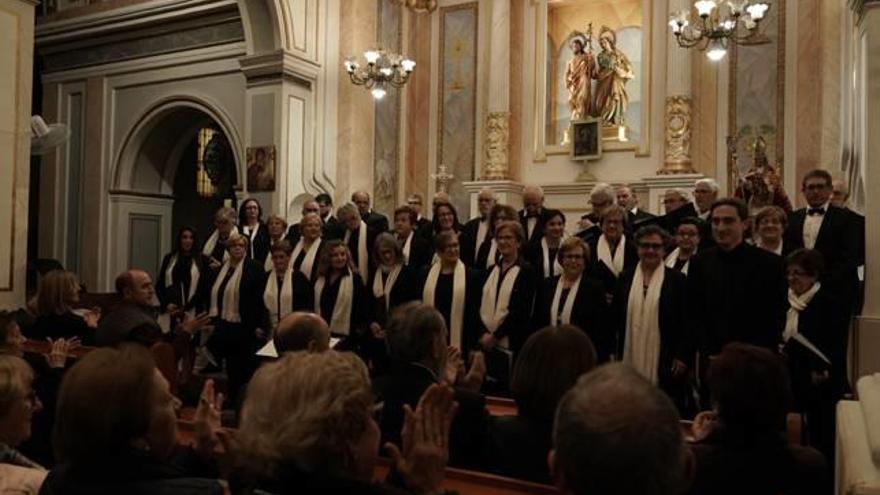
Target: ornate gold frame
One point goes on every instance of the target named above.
(541, 149)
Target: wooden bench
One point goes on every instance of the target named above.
(501, 406)
(474, 482)
(43, 347)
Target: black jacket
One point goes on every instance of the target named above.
(261, 243)
(250, 294)
(589, 312)
(837, 240)
(421, 251)
(473, 289)
(517, 324)
(598, 269)
(467, 241)
(293, 480)
(169, 292)
(376, 221)
(538, 231)
(517, 447)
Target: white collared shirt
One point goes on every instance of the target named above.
(812, 224)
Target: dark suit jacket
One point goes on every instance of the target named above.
(538, 232)
(376, 221)
(424, 227)
(353, 245)
(405, 384)
(674, 341)
(332, 228)
(522, 298)
(517, 447)
(467, 241)
(293, 234)
(837, 240)
(639, 216)
(420, 252)
(261, 245)
(598, 269)
(589, 312)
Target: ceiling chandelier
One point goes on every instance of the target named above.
(383, 69)
(418, 6)
(713, 32)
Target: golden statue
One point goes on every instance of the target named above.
(613, 71)
(579, 73)
(761, 186)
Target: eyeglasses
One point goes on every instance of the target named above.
(651, 245)
(687, 234)
(572, 256)
(815, 187)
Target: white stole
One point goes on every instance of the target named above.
(279, 305)
(798, 304)
(309, 260)
(383, 289)
(407, 244)
(603, 252)
(493, 250)
(673, 258)
(194, 275)
(230, 294)
(456, 313)
(340, 320)
(251, 235)
(363, 264)
(494, 306)
(641, 347)
(557, 268)
(208, 248)
(564, 318)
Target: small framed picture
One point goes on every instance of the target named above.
(261, 169)
(586, 139)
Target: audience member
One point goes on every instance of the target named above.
(476, 230)
(250, 221)
(541, 254)
(359, 237)
(340, 296)
(687, 242)
(532, 217)
(550, 363)
(57, 296)
(183, 276)
(18, 404)
(302, 331)
(375, 220)
(616, 434)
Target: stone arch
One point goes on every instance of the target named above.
(263, 24)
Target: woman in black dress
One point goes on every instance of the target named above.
(307, 248)
(340, 297)
(542, 255)
(183, 276)
(250, 221)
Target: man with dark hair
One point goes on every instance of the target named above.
(416, 202)
(376, 221)
(331, 228)
(416, 338)
(828, 229)
(616, 434)
(736, 291)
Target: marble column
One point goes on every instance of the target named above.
(677, 122)
(497, 126)
(16, 58)
(868, 337)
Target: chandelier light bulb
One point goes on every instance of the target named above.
(705, 7)
(372, 56)
(350, 65)
(378, 92)
(716, 51)
(386, 71)
(757, 10)
(737, 6)
(728, 24)
(407, 65)
(748, 22)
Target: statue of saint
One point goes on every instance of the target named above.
(762, 185)
(612, 73)
(578, 75)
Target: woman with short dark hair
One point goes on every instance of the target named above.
(542, 255)
(184, 275)
(250, 221)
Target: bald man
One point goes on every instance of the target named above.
(301, 331)
(374, 220)
(475, 230)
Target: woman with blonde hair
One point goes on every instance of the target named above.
(18, 403)
(340, 295)
(307, 247)
(277, 228)
(54, 306)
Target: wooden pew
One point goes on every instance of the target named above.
(501, 406)
(477, 483)
(43, 347)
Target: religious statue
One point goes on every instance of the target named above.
(578, 76)
(612, 73)
(761, 186)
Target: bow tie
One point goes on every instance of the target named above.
(816, 211)
(532, 215)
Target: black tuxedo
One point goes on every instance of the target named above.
(538, 231)
(468, 239)
(598, 269)
(639, 216)
(405, 384)
(589, 312)
(376, 221)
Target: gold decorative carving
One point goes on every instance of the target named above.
(678, 136)
(497, 137)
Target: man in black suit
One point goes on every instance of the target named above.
(602, 197)
(705, 194)
(840, 199)
(417, 344)
(828, 229)
(630, 202)
(532, 215)
(331, 228)
(293, 233)
(376, 221)
(476, 229)
(415, 202)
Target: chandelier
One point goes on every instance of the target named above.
(418, 6)
(713, 31)
(383, 69)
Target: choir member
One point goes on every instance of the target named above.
(372, 218)
(611, 252)
(57, 297)
(687, 241)
(574, 298)
(359, 238)
(307, 248)
(542, 254)
(736, 292)
(416, 250)
(415, 202)
(394, 283)
(287, 290)
(454, 290)
(294, 233)
(508, 293)
(531, 217)
(183, 275)
(340, 296)
(649, 309)
(445, 219)
(215, 246)
(488, 255)
(705, 193)
(236, 306)
(630, 202)
(476, 230)
(250, 220)
(277, 228)
(770, 224)
(602, 197)
(815, 336)
(330, 226)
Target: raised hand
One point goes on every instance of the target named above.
(473, 380)
(190, 326)
(208, 430)
(454, 366)
(57, 357)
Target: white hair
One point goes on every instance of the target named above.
(684, 193)
(713, 185)
(535, 189)
(604, 189)
(487, 190)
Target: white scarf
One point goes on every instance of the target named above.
(797, 304)
(281, 305)
(383, 289)
(603, 252)
(565, 318)
(557, 268)
(641, 348)
(673, 258)
(407, 244)
(230, 294)
(251, 235)
(493, 250)
(482, 230)
(456, 313)
(340, 320)
(494, 307)
(363, 264)
(194, 275)
(212, 242)
(309, 260)
(268, 265)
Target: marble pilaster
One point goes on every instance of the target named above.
(677, 154)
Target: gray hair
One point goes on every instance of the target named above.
(225, 214)
(533, 188)
(712, 183)
(347, 210)
(603, 189)
(684, 193)
(412, 332)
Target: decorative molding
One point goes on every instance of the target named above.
(860, 6)
(678, 135)
(497, 138)
(271, 68)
